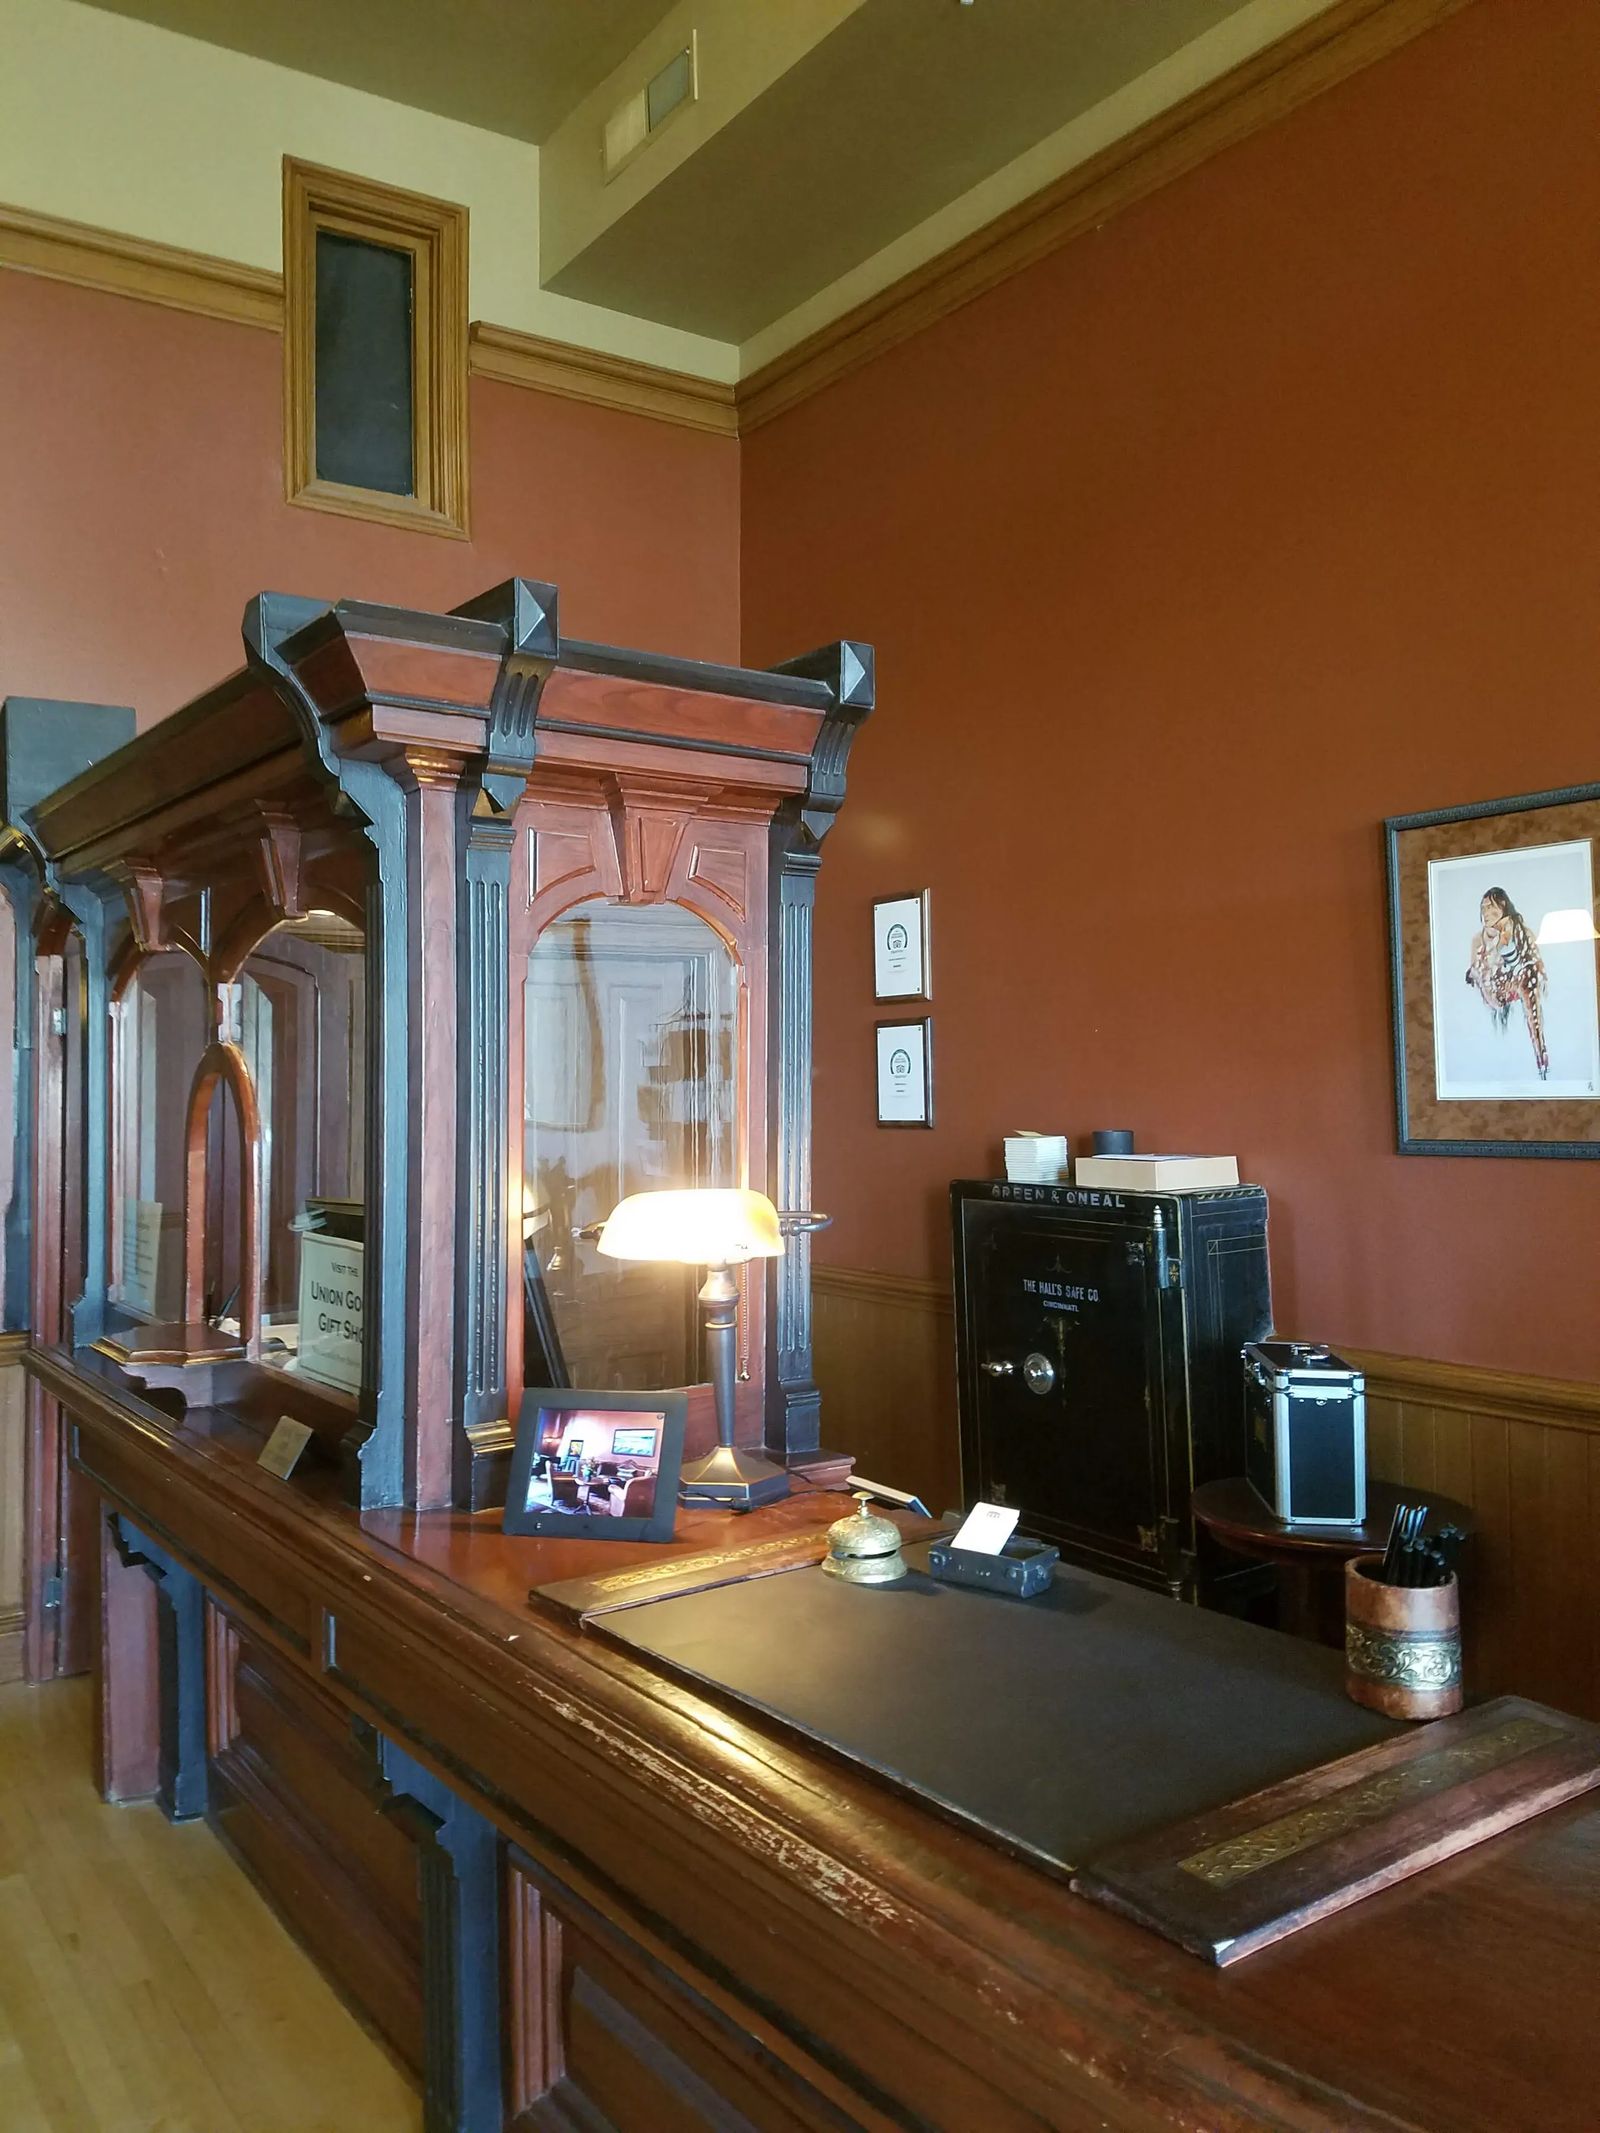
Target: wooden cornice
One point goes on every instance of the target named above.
(134, 266)
(603, 380)
(1338, 43)
(179, 280)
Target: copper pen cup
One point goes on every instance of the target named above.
(1402, 1643)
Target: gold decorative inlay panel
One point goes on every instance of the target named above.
(691, 1565)
(1369, 1800)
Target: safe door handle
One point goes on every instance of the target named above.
(998, 1370)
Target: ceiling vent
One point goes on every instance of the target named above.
(640, 117)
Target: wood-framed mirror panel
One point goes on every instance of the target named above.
(238, 1110)
(637, 1059)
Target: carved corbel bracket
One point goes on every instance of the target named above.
(648, 823)
(180, 1602)
(527, 612)
(277, 862)
(458, 1884)
(143, 886)
(428, 769)
(849, 670)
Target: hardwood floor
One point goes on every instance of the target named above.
(145, 1987)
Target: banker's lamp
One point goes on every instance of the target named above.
(715, 1228)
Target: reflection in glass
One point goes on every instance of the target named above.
(631, 1027)
(162, 1026)
(9, 1089)
(299, 1013)
(74, 1105)
(302, 1029)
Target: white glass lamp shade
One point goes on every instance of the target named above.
(707, 1226)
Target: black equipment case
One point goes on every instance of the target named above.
(1098, 1338)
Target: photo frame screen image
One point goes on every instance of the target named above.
(634, 1443)
(596, 1465)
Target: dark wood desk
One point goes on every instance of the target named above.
(1310, 1560)
(708, 1921)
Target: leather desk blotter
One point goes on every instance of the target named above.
(1227, 1883)
(1061, 1726)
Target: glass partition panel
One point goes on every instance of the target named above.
(302, 1029)
(16, 1314)
(631, 1078)
(163, 1025)
(74, 1091)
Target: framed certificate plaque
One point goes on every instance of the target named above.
(900, 969)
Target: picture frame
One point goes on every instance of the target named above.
(901, 947)
(905, 1072)
(1495, 976)
(596, 1465)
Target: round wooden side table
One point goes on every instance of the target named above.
(1310, 1560)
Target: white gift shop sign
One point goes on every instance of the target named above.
(331, 1291)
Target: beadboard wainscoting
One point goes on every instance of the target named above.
(1524, 1452)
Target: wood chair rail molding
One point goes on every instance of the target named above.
(900, 1968)
(1339, 42)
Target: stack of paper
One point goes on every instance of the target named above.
(1036, 1158)
(1159, 1173)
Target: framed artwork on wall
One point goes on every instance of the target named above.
(1495, 963)
(905, 1073)
(900, 948)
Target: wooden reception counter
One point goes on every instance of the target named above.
(571, 1891)
(350, 999)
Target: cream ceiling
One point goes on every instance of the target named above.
(903, 107)
(829, 135)
(513, 66)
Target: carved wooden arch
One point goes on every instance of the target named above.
(131, 954)
(261, 915)
(19, 855)
(223, 1061)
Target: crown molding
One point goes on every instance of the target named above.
(1338, 43)
(1341, 41)
(135, 266)
(179, 280)
(603, 380)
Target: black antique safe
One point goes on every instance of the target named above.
(1098, 1338)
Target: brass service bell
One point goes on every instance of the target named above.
(864, 1549)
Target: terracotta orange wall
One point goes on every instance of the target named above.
(1270, 509)
(141, 479)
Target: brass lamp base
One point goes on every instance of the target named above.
(732, 1479)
